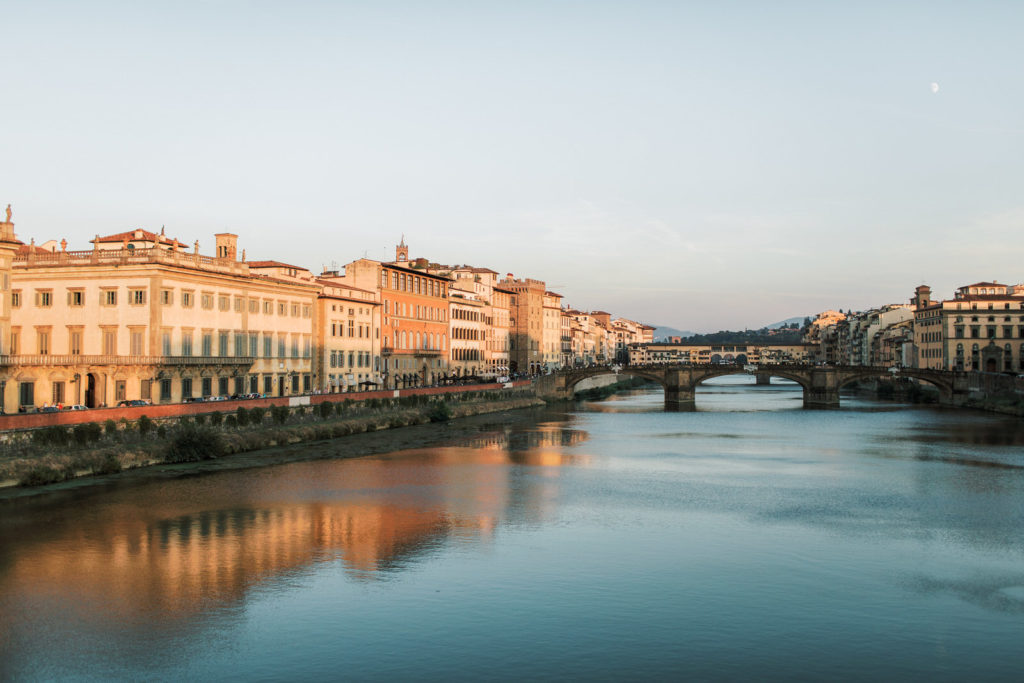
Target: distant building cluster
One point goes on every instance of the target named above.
(980, 329)
(143, 316)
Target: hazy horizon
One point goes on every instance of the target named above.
(702, 166)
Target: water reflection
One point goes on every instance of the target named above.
(664, 543)
(168, 551)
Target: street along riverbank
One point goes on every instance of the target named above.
(203, 441)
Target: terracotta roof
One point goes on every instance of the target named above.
(273, 264)
(144, 235)
(30, 249)
(988, 297)
(331, 283)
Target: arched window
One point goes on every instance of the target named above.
(444, 342)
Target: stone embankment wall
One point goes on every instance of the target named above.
(165, 410)
(996, 393)
(58, 453)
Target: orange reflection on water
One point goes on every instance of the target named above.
(166, 551)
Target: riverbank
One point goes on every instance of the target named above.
(604, 391)
(1002, 401)
(51, 456)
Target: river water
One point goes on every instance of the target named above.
(613, 541)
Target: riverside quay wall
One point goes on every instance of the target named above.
(169, 410)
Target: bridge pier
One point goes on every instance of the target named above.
(679, 400)
(823, 389)
(763, 379)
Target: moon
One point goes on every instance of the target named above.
(935, 87)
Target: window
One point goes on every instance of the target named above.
(206, 300)
(224, 302)
(268, 307)
(15, 341)
(282, 308)
(295, 310)
(351, 328)
(110, 342)
(268, 345)
(44, 298)
(165, 390)
(222, 344)
(222, 386)
(165, 343)
(186, 387)
(136, 297)
(187, 299)
(239, 304)
(43, 341)
(254, 345)
(268, 385)
(166, 297)
(27, 393)
(254, 307)
(58, 393)
(186, 343)
(307, 311)
(207, 386)
(120, 390)
(207, 346)
(281, 346)
(16, 298)
(135, 343)
(76, 297)
(75, 342)
(239, 344)
(146, 389)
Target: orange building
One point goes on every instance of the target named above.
(414, 320)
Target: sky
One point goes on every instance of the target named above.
(700, 165)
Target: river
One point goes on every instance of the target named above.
(748, 539)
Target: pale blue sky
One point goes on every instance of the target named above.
(701, 165)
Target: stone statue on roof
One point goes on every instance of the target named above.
(8, 213)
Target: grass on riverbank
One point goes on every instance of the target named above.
(55, 454)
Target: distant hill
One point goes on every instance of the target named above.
(787, 322)
(661, 333)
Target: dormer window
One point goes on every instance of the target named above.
(131, 247)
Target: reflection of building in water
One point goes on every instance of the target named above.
(178, 564)
(160, 557)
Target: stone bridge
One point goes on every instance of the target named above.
(821, 383)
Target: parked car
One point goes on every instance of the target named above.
(77, 406)
(49, 409)
(133, 403)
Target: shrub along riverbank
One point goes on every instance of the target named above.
(54, 454)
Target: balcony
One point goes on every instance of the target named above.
(73, 360)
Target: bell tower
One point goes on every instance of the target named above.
(402, 251)
(227, 245)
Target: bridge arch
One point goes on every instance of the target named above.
(940, 381)
(736, 370)
(574, 377)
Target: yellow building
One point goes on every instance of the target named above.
(139, 317)
(981, 328)
(347, 345)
